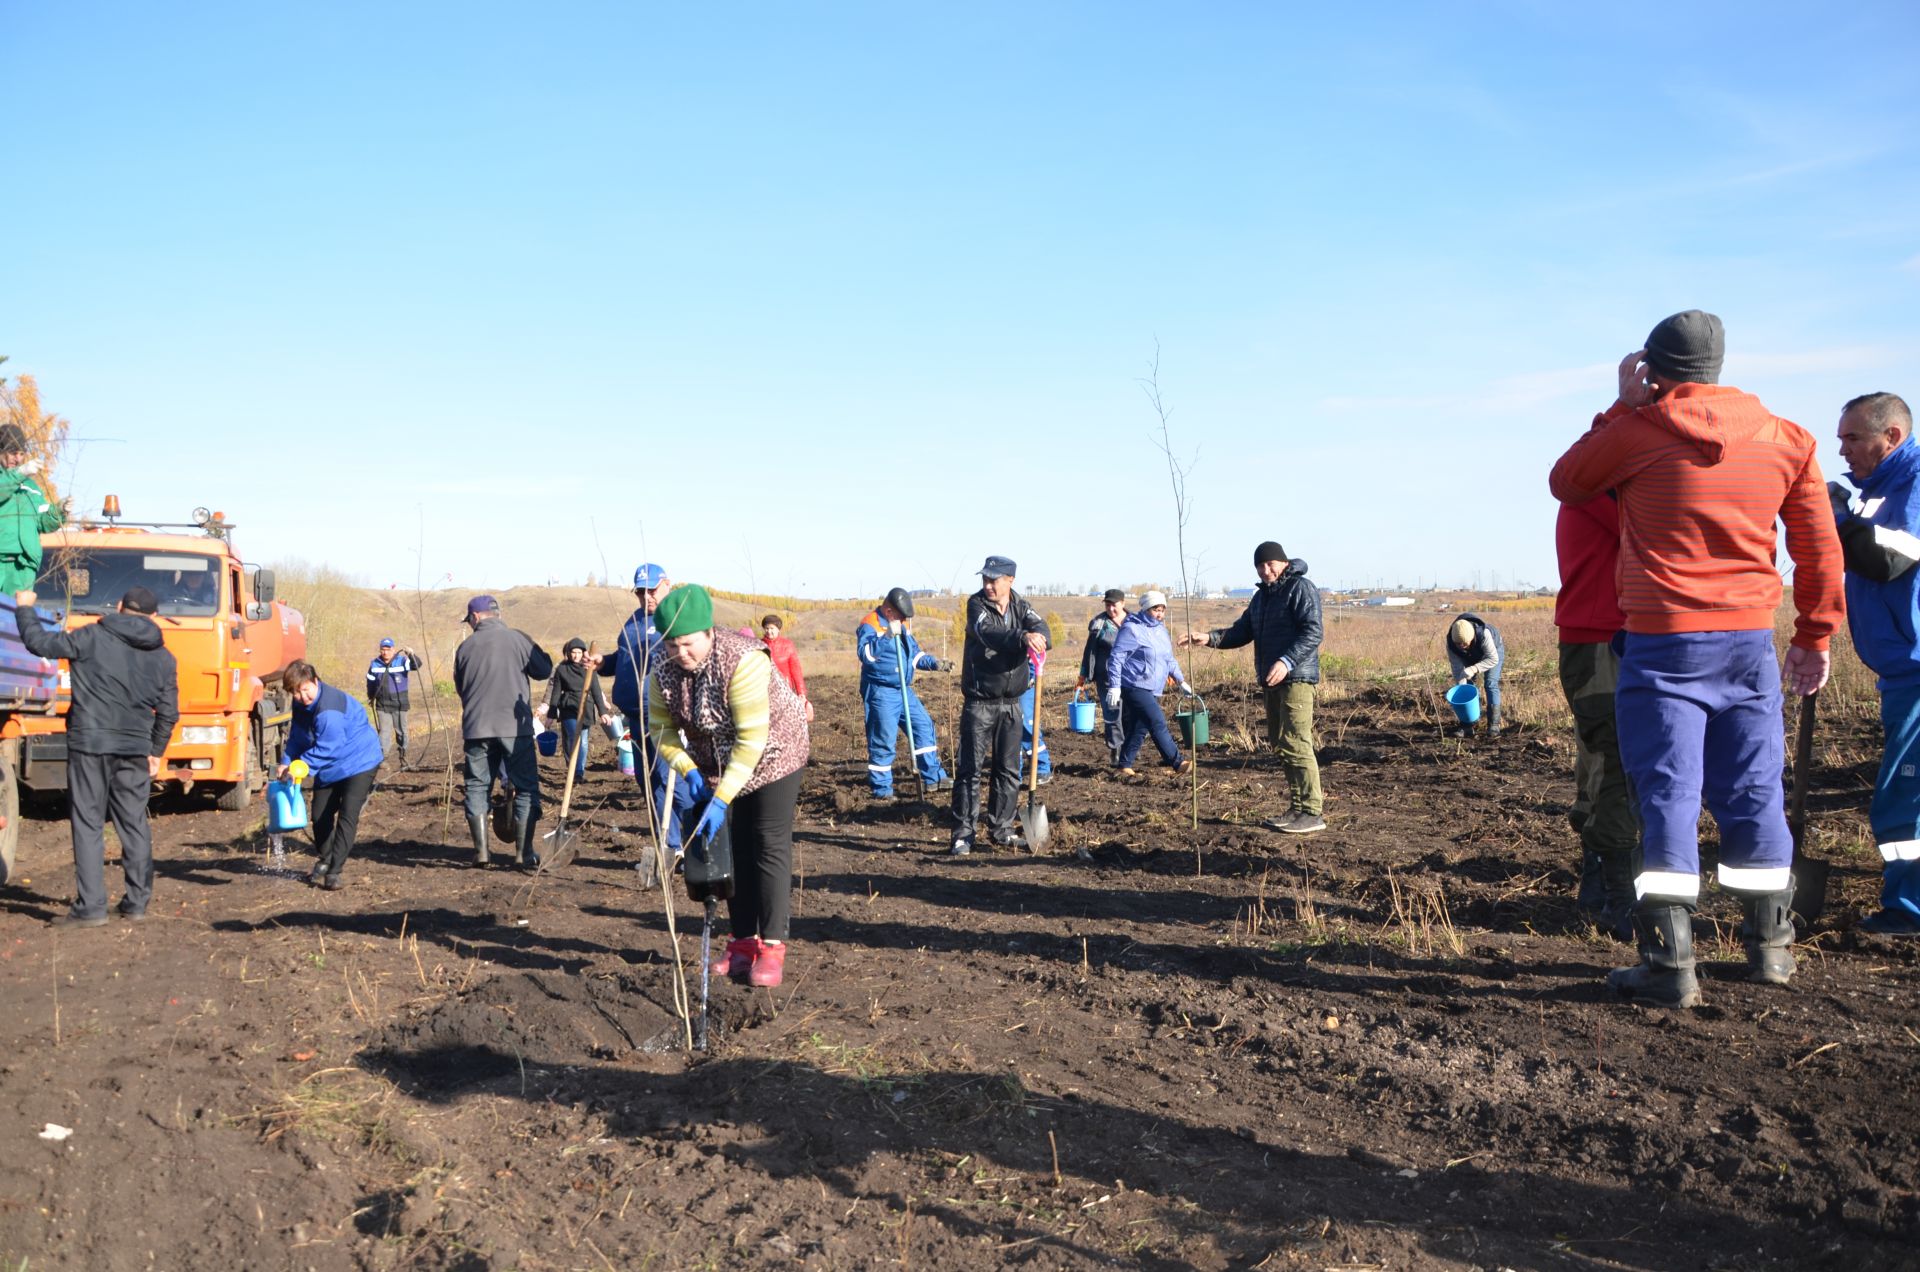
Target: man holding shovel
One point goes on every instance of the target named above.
(1880, 538)
(1703, 472)
(994, 672)
(1283, 624)
(889, 657)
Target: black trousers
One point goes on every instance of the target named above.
(336, 818)
(99, 786)
(759, 834)
(989, 730)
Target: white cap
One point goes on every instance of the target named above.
(1150, 599)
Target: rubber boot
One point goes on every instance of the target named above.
(1617, 904)
(1493, 720)
(477, 827)
(1664, 976)
(1768, 935)
(1592, 897)
(523, 841)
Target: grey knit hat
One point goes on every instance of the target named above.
(1688, 348)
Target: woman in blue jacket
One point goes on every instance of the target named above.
(331, 733)
(1137, 672)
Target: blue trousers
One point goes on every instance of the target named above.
(1026, 736)
(1699, 713)
(569, 730)
(651, 769)
(888, 712)
(1895, 812)
(1144, 716)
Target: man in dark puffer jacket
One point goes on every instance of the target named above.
(1283, 624)
(125, 702)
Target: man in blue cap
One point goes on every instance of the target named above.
(389, 678)
(632, 661)
(1002, 632)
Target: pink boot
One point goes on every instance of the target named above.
(769, 964)
(738, 958)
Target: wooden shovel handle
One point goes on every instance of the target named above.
(579, 733)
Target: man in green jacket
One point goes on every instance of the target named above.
(25, 512)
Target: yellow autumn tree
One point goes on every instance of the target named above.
(46, 433)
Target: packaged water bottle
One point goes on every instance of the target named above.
(626, 755)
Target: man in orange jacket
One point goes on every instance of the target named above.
(1702, 473)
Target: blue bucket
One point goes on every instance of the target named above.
(1080, 715)
(286, 807)
(1465, 701)
(548, 742)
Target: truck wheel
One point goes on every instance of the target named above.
(9, 805)
(236, 797)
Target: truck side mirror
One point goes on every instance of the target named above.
(263, 586)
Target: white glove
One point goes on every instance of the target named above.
(1113, 699)
(1188, 690)
(29, 468)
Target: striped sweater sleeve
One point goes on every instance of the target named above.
(749, 698)
(1819, 599)
(1596, 463)
(665, 734)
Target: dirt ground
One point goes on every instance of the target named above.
(1385, 1046)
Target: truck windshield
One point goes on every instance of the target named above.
(92, 580)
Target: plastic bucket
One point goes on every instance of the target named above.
(626, 756)
(1080, 716)
(1465, 701)
(286, 807)
(548, 742)
(1193, 726)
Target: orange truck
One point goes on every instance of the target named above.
(231, 640)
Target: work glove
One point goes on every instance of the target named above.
(29, 468)
(1113, 699)
(1188, 690)
(712, 818)
(1464, 680)
(1841, 498)
(945, 664)
(694, 785)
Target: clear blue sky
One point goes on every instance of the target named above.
(828, 298)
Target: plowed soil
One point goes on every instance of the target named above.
(1384, 1046)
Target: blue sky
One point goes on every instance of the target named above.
(827, 298)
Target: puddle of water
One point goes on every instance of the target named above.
(674, 1037)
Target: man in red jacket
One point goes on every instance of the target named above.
(1702, 473)
(1587, 540)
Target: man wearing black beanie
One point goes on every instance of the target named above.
(1283, 624)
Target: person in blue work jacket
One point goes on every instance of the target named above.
(889, 656)
(635, 657)
(331, 732)
(1880, 541)
(1137, 673)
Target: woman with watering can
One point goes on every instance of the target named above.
(745, 748)
(331, 733)
(1137, 674)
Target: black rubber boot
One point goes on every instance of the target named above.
(1592, 897)
(1617, 902)
(523, 841)
(1494, 726)
(1768, 935)
(477, 827)
(1664, 976)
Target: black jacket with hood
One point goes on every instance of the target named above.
(570, 681)
(1282, 621)
(126, 696)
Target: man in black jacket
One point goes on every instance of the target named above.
(490, 672)
(125, 703)
(1283, 622)
(1002, 631)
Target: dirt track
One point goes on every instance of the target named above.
(1384, 1046)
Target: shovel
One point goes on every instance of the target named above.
(1809, 873)
(1033, 817)
(561, 845)
(906, 709)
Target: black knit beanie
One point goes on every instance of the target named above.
(1269, 551)
(1688, 348)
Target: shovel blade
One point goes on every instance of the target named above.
(1809, 888)
(1033, 822)
(558, 848)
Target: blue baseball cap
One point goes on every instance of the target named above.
(482, 604)
(648, 576)
(997, 567)
(387, 643)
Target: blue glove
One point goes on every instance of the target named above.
(694, 784)
(712, 818)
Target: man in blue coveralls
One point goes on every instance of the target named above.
(629, 665)
(889, 657)
(1878, 538)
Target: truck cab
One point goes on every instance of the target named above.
(229, 638)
